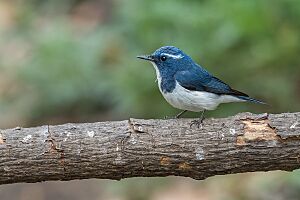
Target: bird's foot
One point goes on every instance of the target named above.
(198, 122)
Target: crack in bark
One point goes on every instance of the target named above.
(136, 128)
(55, 148)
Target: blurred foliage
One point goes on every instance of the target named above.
(74, 60)
(77, 58)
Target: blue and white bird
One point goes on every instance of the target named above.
(188, 86)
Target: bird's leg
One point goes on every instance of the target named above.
(179, 114)
(199, 121)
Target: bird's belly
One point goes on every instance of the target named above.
(196, 101)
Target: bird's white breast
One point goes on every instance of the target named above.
(196, 101)
(157, 74)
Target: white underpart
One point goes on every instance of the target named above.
(195, 101)
(179, 56)
(157, 74)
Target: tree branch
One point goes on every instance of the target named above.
(121, 149)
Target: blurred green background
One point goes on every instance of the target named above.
(74, 61)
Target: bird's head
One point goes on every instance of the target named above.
(168, 59)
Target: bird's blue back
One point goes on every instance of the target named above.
(187, 73)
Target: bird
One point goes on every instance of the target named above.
(188, 86)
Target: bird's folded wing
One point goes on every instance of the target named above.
(196, 80)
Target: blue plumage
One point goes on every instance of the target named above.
(188, 86)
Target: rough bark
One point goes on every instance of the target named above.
(137, 147)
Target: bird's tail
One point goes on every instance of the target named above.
(249, 99)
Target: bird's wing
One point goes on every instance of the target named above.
(201, 80)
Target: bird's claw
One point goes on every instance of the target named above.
(197, 122)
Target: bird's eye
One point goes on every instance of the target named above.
(163, 58)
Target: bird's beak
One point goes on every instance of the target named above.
(146, 57)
